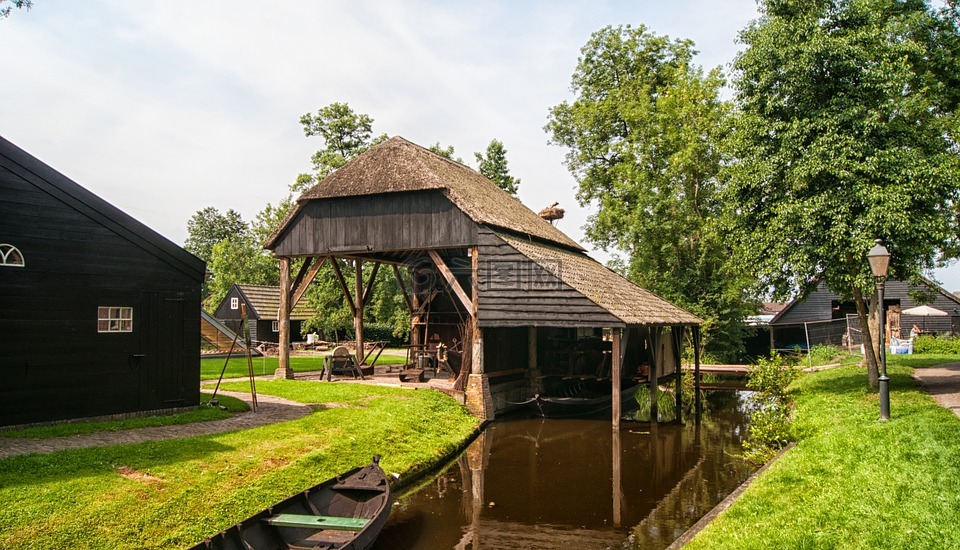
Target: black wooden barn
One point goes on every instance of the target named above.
(815, 314)
(262, 306)
(517, 300)
(100, 314)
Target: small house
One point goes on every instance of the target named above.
(100, 313)
(262, 304)
(825, 318)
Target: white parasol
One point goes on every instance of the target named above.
(924, 311)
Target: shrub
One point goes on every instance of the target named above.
(770, 407)
(944, 345)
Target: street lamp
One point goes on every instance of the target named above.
(879, 258)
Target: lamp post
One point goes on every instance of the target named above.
(879, 258)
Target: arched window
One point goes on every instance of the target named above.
(10, 256)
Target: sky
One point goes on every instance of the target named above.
(164, 108)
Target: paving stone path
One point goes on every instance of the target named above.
(270, 409)
(943, 383)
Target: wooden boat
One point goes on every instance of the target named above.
(343, 513)
(585, 399)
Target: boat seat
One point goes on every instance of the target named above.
(317, 522)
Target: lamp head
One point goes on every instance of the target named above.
(879, 258)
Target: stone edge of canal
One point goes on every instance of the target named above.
(688, 535)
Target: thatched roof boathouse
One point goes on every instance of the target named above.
(522, 302)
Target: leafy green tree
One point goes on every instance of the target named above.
(493, 166)
(446, 152)
(345, 134)
(846, 133)
(207, 227)
(240, 257)
(643, 135)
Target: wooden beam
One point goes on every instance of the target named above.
(696, 372)
(283, 369)
(343, 285)
(403, 289)
(303, 270)
(452, 281)
(300, 287)
(373, 278)
(615, 374)
(358, 312)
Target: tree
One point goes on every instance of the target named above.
(643, 136)
(19, 4)
(345, 134)
(240, 257)
(493, 166)
(846, 133)
(207, 227)
(445, 152)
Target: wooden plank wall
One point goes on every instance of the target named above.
(54, 364)
(818, 307)
(390, 222)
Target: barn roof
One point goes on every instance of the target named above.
(265, 301)
(631, 303)
(398, 165)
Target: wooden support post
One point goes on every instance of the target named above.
(283, 368)
(475, 312)
(615, 373)
(655, 358)
(696, 372)
(536, 382)
(358, 310)
(678, 388)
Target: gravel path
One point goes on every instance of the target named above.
(943, 383)
(270, 410)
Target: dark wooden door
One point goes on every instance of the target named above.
(162, 358)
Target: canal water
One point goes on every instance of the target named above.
(528, 482)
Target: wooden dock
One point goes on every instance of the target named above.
(732, 370)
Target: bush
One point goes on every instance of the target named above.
(945, 345)
(770, 407)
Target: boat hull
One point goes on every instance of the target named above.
(352, 509)
(587, 403)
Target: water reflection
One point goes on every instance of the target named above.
(536, 483)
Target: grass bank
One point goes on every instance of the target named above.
(851, 481)
(237, 366)
(173, 493)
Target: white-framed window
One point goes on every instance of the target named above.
(275, 326)
(114, 319)
(10, 256)
(234, 303)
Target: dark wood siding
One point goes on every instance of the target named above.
(398, 221)
(515, 291)
(819, 307)
(55, 365)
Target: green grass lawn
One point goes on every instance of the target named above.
(851, 481)
(237, 367)
(171, 494)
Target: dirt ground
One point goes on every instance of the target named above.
(943, 383)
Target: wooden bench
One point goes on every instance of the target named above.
(317, 522)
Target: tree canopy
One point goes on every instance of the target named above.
(493, 166)
(643, 135)
(846, 132)
(345, 134)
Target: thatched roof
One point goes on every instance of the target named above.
(398, 165)
(265, 301)
(633, 304)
